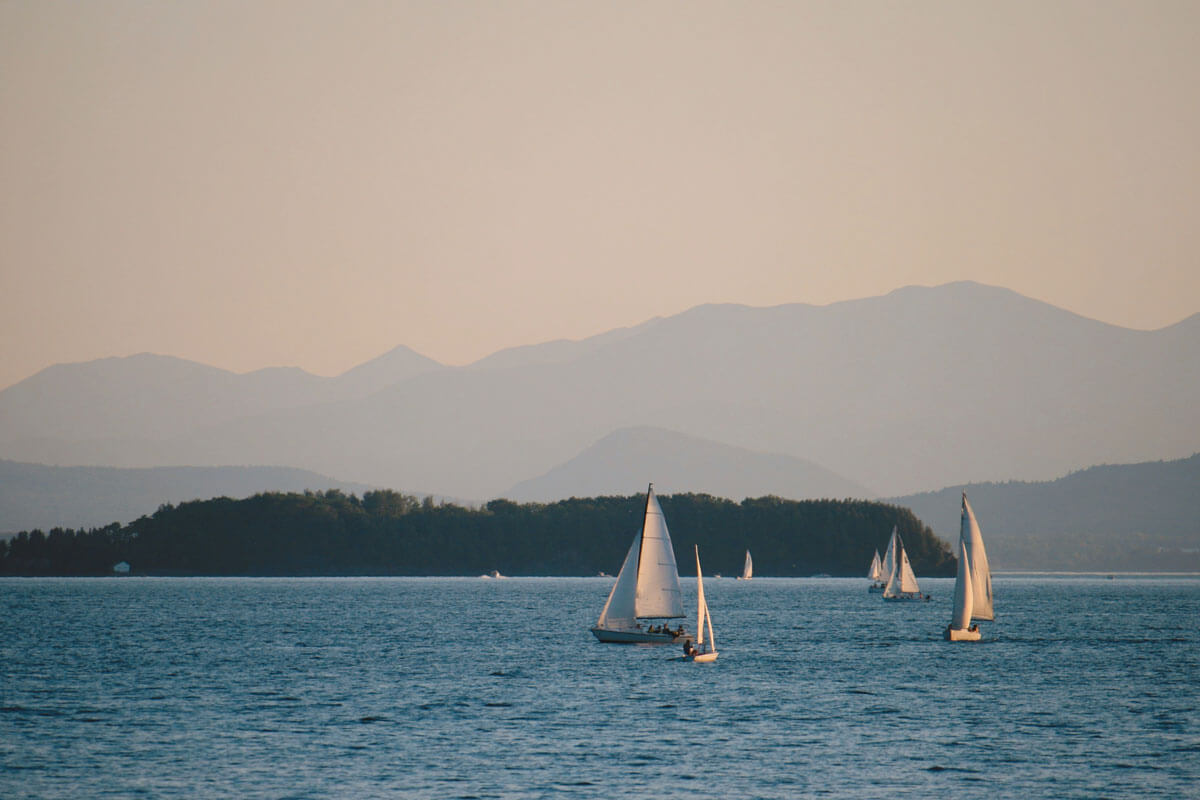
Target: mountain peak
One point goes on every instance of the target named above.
(628, 457)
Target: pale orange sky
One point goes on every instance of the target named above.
(252, 184)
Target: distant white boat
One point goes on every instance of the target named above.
(704, 651)
(973, 584)
(647, 587)
(494, 574)
(747, 568)
(876, 574)
(902, 582)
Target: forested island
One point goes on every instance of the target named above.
(390, 533)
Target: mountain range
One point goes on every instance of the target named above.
(1108, 517)
(923, 387)
(37, 496)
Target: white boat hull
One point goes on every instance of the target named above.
(702, 658)
(961, 634)
(638, 637)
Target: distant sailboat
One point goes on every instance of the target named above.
(876, 574)
(747, 569)
(704, 650)
(902, 582)
(973, 584)
(647, 587)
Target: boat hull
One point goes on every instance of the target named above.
(638, 637)
(961, 634)
(702, 658)
(907, 598)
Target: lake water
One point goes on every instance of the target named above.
(465, 688)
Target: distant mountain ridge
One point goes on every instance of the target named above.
(679, 463)
(1109, 517)
(921, 387)
(156, 397)
(37, 496)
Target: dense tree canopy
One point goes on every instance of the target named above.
(389, 533)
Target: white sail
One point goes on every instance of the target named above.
(703, 651)
(963, 596)
(875, 573)
(712, 640)
(981, 573)
(889, 558)
(658, 594)
(701, 606)
(902, 579)
(908, 580)
(620, 611)
(748, 567)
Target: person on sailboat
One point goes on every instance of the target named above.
(688, 650)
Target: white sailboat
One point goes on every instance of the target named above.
(876, 574)
(747, 569)
(647, 587)
(973, 584)
(705, 650)
(981, 571)
(902, 582)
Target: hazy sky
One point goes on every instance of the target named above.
(251, 184)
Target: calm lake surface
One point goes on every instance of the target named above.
(457, 688)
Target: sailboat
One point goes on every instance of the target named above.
(888, 565)
(875, 573)
(704, 650)
(747, 569)
(647, 587)
(902, 582)
(973, 584)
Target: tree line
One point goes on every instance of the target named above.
(390, 533)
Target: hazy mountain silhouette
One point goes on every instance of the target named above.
(133, 411)
(921, 387)
(625, 459)
(1129, 516)
(399, 363)
(37, 496)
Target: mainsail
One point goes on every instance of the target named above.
(703, 618)
(902, 580)
(981, 573)
(648, 585)
(748, 567)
